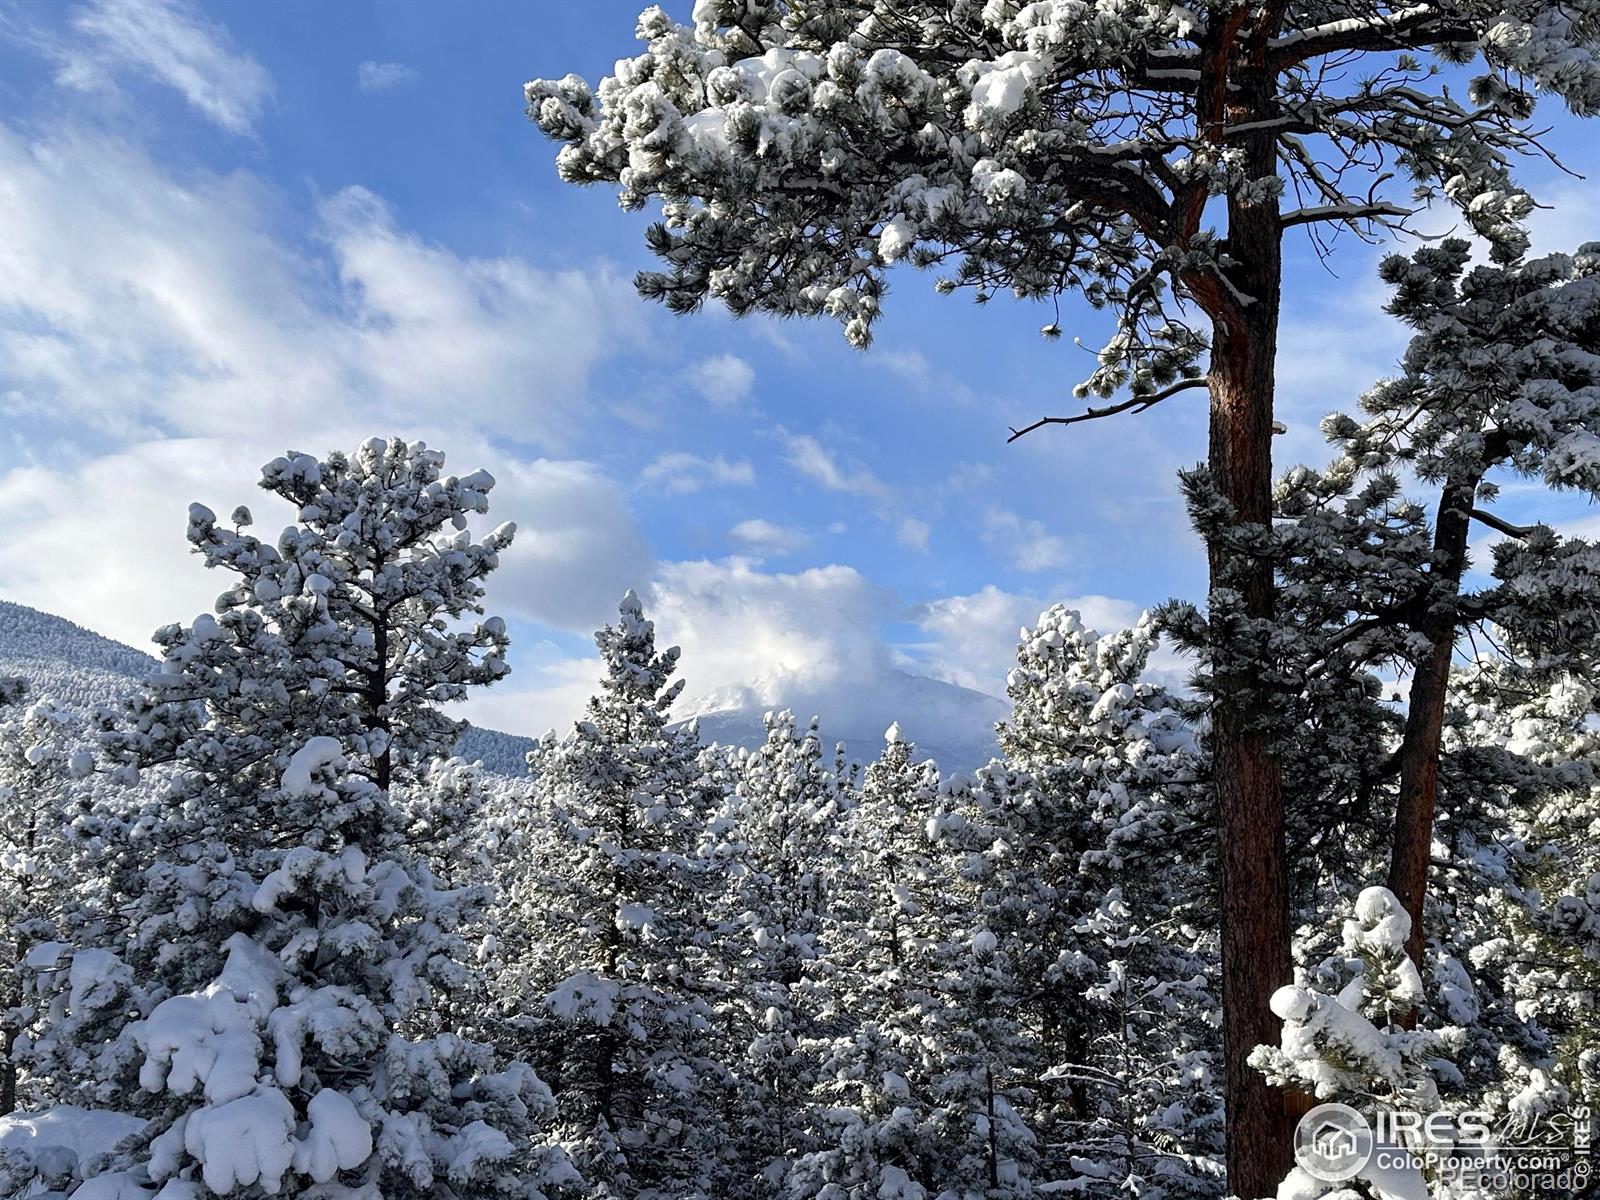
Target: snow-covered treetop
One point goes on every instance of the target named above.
(1074, 691)
(1502, 378)
(799, 149)
(635, 672)
(350, 625)
(1504, 370)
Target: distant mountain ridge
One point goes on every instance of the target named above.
(953, 725)
(81, 670)
(950, 724)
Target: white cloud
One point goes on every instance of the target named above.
(577, 549)
(113, 526)
(75, 537)
(973, 638)
(379, 77)
(723, 380)
(172, 43)
(753, 641)
(140, 303)
(679, 474)
(912, 532)
(763, 537)
(739, 625)
(811, 641)
(1027, 544)
(808, 456)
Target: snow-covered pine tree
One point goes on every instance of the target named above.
(777, 843)
(877, 1079)
(800, 149)
(357, 624)
(268, 895)
(1126, 1008)
(43, 752)
(1515, 894)
(288, 1074)
(1502, 380)
(1342, 1040)
(613, 997)
(997, 928)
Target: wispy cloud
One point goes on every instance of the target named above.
(680, 474)
(808, 456)
(377, 78)
(763, 537)
(1026, 543)
(172, 43)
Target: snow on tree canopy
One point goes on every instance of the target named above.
(1050, 146)
(356, 624)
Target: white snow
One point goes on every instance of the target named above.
(315, 755)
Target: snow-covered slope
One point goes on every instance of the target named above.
(79, 669)
(72, 665)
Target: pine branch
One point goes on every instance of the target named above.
(1503, 526)
(1136, 404)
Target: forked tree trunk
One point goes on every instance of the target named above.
(1419, 749)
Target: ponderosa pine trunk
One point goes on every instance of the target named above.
(1248, 784)
(1245, 768)
(1419, 749)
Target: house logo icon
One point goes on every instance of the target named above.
(1332, 1143)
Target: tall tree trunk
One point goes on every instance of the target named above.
(1419, 749)
(8, 1069)
(1245, 771)
(377, 697)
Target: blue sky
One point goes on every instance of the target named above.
(239, 229)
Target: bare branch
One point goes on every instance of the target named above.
(1505, 527)
(1345, 212)
(1136, 404)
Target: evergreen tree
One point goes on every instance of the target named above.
(776, 842)
(1125, 1004)
(1342, 1039)
(1513, 897)
(999, 925)
(42, 756)
(1502, 380)
(610, 893)
(351, 626)
(268, 897)
(877, 1084)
